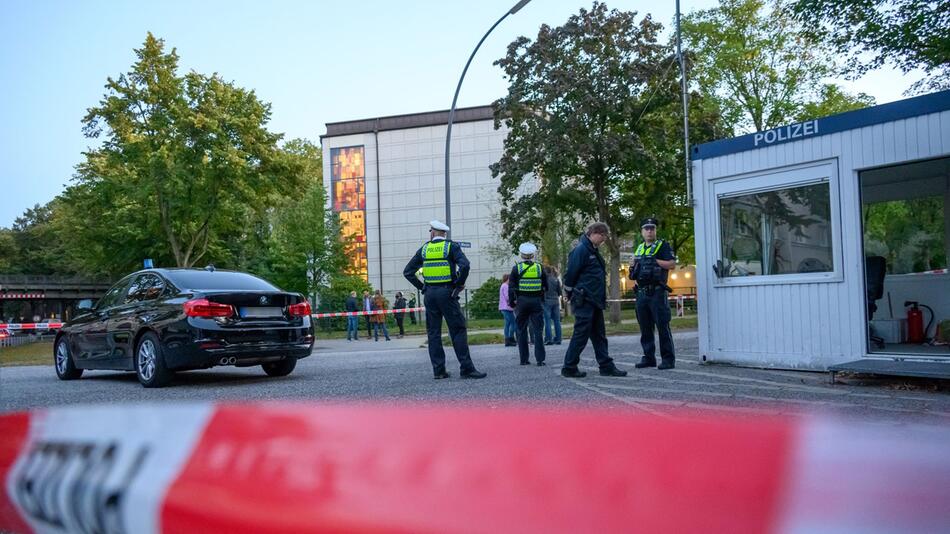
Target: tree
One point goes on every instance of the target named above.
(755, 60)
(580, 113)
(36, 245)
(184, 160)
(909, 233)
(832, 100)
(484, 303)
(910, 34)
(8, 251)
(332, 297)
(305, 246)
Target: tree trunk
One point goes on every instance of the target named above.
(613, 288)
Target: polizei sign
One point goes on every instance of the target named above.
(842, 122)
(786, 133)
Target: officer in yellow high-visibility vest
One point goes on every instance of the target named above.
(444, 270)
(653, 261)
(526, 285)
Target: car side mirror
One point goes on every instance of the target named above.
(85, 305)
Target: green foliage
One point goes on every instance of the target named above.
(909, 233)
(833, 100)
(332, 298)
(595, 131)
(753, 58)
(8, 251)
(304, 244)
(32, 244)
(186, 173)
(910, 34)
(484, 301)
(185, 162)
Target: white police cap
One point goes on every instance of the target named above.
(528, 249)
(438, 225)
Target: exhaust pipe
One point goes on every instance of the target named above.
(232, 360)
(227, 360)
(223, 361)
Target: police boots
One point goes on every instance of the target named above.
(666, 363)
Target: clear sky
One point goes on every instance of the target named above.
(315, 61)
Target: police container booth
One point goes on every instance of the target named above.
(823, 245)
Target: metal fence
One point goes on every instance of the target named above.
(17, 340)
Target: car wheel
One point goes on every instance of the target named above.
(65, 367)
(150, 362)
(282, 368)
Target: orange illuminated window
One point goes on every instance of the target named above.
(348, 190)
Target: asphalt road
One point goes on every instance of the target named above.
(398, 371)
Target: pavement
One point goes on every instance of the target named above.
(398, 371)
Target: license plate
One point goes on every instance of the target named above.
(261, 312)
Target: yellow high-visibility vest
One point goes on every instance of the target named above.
(435, 262)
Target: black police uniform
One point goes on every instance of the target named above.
(653, 307)
(440, 302)
(586, 282)
(528, 307)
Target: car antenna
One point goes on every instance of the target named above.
(210, 267)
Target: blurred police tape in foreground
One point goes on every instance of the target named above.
(286, 467)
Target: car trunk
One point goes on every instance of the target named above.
(257, 308)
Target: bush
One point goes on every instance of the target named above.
(484, 302)
(333, 299)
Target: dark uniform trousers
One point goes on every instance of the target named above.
(439, 303)
(653, 310)
(588, 324)
(530, 308)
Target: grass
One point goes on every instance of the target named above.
(627, 327)
(39, 353)
(411, 329)
(478, 338)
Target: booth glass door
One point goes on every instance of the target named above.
(906, 240)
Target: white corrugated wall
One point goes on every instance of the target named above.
(801, 325)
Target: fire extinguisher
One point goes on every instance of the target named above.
(916, 333)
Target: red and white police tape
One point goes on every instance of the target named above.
(282, 467)
(372, 312)
(671, 298)
(53, 326)
(30, 326)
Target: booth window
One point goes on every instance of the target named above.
(782, 231)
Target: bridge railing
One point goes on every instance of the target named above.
(38, 282)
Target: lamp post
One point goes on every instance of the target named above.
(682, 62)
(448, 133)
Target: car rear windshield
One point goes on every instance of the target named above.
(218, 280)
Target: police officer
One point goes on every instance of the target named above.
(526, 295)
(586, 283)
(653, 260)
(444, 269)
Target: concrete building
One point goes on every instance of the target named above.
(386, 178)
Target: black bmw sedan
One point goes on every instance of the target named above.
(159, 321)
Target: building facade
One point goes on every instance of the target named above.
(386, 178)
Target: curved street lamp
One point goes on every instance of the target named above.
(448, 133)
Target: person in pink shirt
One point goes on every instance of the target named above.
(507, 312)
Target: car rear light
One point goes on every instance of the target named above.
(206, 308)
(301, 309)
